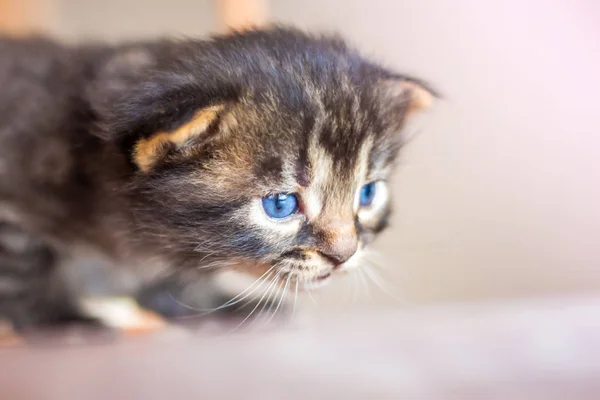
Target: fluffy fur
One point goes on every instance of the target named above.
(161, 152)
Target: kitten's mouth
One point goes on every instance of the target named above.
(317, 282)
(323, 277)
(305, 283)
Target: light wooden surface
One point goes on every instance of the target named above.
(528, 350)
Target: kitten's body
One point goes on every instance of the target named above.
(158, 152)
(56, 192)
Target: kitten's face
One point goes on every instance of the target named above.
(289, 177)
(308, 192)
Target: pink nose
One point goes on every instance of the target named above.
(341, 248)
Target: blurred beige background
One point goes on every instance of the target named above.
(499, 193)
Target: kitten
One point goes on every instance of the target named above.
(265, 151)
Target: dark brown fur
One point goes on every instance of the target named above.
(71, 117)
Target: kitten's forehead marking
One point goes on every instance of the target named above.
(329, 185)
(320, 171)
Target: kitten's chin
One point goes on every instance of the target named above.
(317, 283)
(308, 278)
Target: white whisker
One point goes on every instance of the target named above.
(381, 264)
(218, 263)
(270, 298)
(295, 299)
(380, 284)
(273, 281)
(263, 278)
(285, 289)
(347, 290)
(310, 294)
(235, 300)
(354, 288)
(361, 274)
(182, 304)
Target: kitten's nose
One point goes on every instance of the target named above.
(340, 249)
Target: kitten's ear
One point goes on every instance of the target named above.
(149, 113)
(148, 151)
(408, 95)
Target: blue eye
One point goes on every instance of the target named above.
(367, 194)
(280, 205)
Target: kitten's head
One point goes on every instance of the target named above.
(264, 150)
